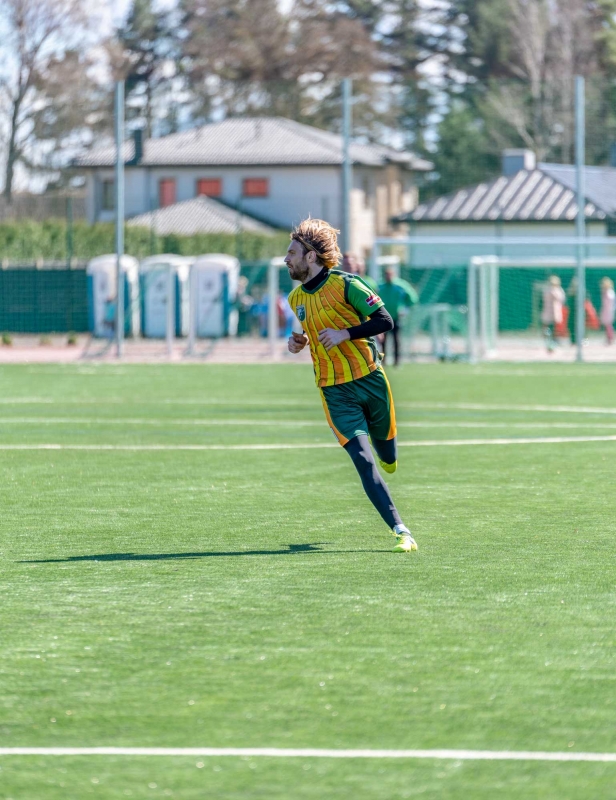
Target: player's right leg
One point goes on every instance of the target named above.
(378, 493)
(344, 407)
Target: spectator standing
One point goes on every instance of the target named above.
(608, 308)
(398, 296)
(554, 300)
(356, 265)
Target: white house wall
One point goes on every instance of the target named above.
(295, 192)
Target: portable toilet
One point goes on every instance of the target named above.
(154, 290)
(102, 295)
(214, 285)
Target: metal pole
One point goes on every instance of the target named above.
(119, 221)
(272, 308)
(170, 310)
(471, 302)
(484, 322)
(494, 315)
(347, 166)
(580, 221)
(69, 231)
(192, 309)
(373, 269)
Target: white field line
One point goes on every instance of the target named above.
(205, 401)
(211, 422)
(277, 752)
(283, 402)
(286, 423)
(306, 446)
(498, 407)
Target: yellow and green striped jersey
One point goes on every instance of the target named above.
(340, 301)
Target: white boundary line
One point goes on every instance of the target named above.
(498, 407)
(263, 423)
(276, 752)
(310, 446)
(213, 401)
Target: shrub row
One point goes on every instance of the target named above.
(29, 240)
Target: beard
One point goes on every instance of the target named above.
(299, 272)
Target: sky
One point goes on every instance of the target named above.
(116, 10)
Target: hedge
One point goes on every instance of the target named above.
(29, 240)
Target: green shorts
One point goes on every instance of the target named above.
(363, 406)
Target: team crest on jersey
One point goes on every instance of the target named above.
(301, 313)
(372, 299)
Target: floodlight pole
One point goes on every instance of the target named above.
(119, 215)
(347, 164)
(192, 308)
(580, 221)
(170, 321)
(273, 286)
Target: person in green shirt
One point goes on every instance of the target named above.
(398, 296)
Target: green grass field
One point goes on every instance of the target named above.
(249, 598)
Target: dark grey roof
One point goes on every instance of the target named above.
(251, 141)
(199, 215)
(544, 194)
(600, 183)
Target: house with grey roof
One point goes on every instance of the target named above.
(271, 169)
(529, 199)
(199, 215)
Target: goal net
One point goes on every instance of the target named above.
(522, 308)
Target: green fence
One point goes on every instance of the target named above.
(43, 300)
(53, 299)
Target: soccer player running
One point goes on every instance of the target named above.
(339, 315)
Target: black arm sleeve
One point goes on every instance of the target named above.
(379, 322)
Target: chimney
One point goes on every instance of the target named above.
(514, 160)
(613, 154)
(138, 146)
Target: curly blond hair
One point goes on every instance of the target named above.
(320, 237)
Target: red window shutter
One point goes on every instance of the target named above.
(256, 187)
(212, 187)
(166, 192)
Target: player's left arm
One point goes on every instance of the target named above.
(368, 305)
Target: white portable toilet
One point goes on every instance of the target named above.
(213, 287)
(103, 293)
(154, 294)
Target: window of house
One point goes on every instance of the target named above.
(212, 187)
(255, 187)
(108, 195)
(611, 226)
(166, 192)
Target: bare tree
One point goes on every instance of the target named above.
(37, 32)
(551, 42)
(246, 56)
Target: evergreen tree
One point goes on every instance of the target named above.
(147, 47)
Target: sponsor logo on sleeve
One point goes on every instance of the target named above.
(374, 298)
